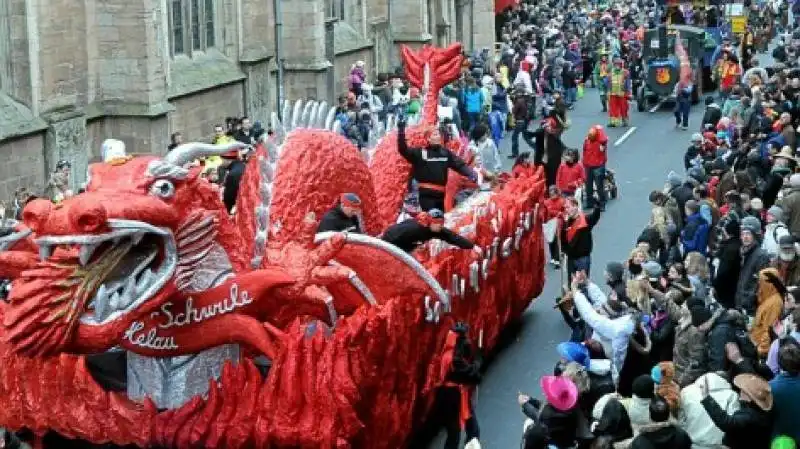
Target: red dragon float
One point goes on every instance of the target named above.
(251, 331)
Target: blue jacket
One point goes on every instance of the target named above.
(786, 408)
(500, 100)
(694, 235)
(473, 100)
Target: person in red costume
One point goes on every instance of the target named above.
(595, 157)
(554, 204)
(430, 166)
(460, 369)
(571, 174)
(576, 237)
(619, 92)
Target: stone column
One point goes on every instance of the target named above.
(483, 35)
(305, 63)
(66, 140)
(382, 58)
(410, 21)
(255, 55)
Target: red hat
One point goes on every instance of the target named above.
(233, 154)
(350, 200)
(433, 216)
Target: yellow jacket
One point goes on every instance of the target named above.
(768, 312)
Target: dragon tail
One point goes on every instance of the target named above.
(430, 69)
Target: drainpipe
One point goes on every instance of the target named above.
(277, 7)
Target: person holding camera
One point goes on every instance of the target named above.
(430, 165)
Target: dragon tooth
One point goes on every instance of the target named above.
(137, 238)
(101, 301)
(86, 253)
(45, 251)
(129, 293)
(114, 302)
(144, 281)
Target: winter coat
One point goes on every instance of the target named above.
(663, 338)
(570, 177)
(595, 152)
(637, 360)
(747, 428)
(665, 435)
(712, 115)
(791, 211)
(694, 418)
(786, 406)
(689, 355)
(682, 194)
(754, 260)
(772, 235)
(694, 235)
(615, 332)
(336, 221)
(576, 235)
(721, 334)
(727, 274)
(473, 100)
(768, 312)
(486, 156)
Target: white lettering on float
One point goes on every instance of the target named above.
(190, 315)
(150, 339)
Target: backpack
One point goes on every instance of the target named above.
(775, 231)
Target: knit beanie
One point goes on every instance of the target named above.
(776, 212)
(751, 225)
(674, 179)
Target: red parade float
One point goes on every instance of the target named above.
(148, 263)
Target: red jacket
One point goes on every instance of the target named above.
(595, 152)
(570, 178)
(554, 206)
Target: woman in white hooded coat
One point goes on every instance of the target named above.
(693, 417)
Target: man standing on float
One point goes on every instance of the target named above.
(619, 92)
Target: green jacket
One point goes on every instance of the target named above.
(600, 81)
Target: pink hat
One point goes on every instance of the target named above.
(560, 392)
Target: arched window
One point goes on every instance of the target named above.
(192, 25)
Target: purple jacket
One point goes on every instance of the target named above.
(772, 355)
(357, 76)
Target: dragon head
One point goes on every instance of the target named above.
(112, 257)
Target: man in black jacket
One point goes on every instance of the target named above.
(576, 237)
(712, 114)
(344, 217)
(234, 168)
(430, 166)
(409, 234)
(729, 261)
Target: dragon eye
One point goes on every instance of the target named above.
(163, 189)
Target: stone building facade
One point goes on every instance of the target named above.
(75, 72)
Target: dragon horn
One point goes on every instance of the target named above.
(188, 152)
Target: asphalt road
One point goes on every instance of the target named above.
(650, 149)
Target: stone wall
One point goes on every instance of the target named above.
(21, 165)
(195, 115)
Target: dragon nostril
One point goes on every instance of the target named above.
(87, 217)
(36, 213)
